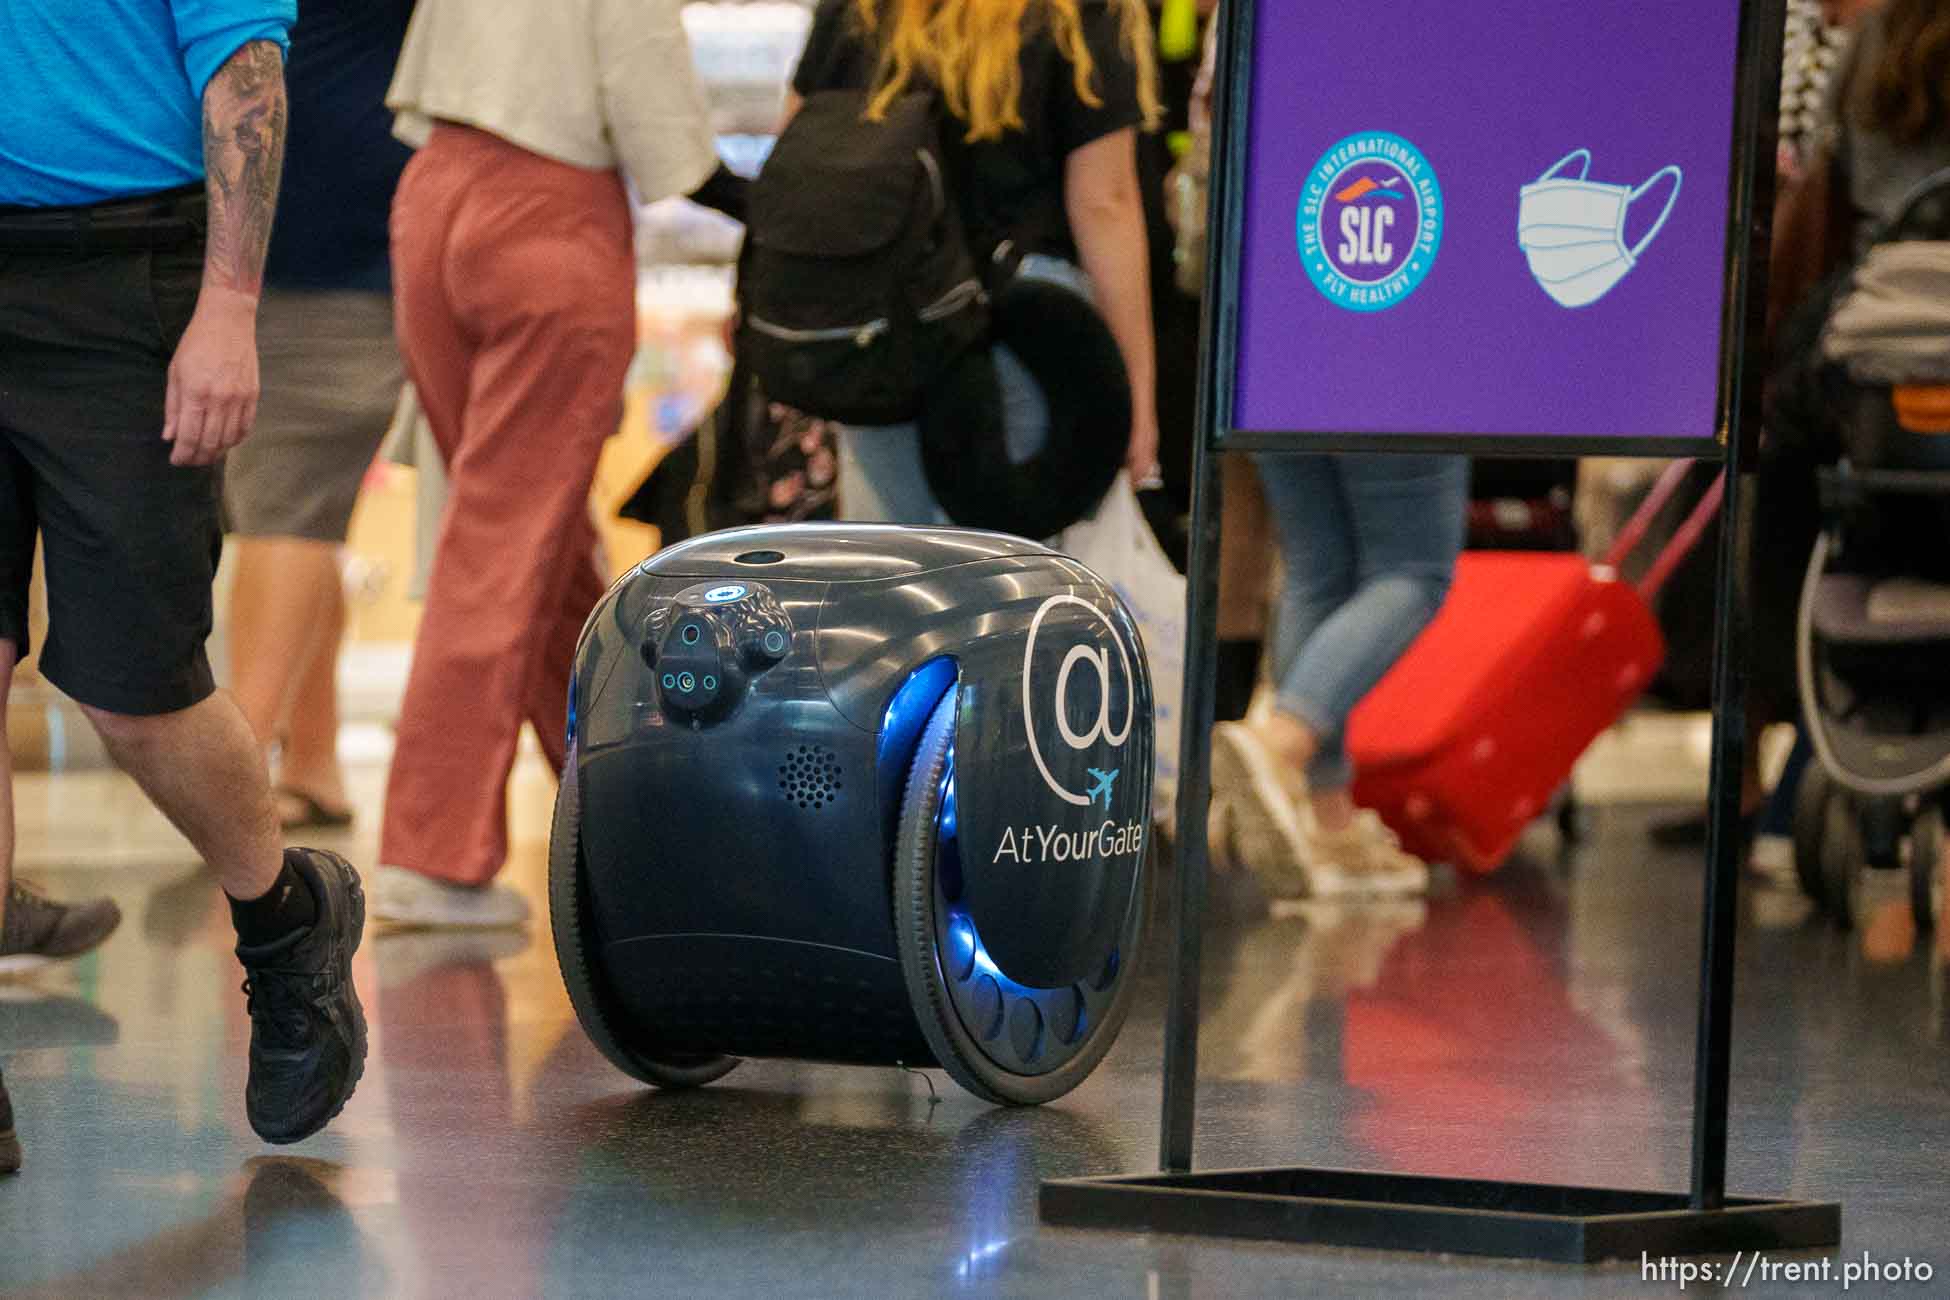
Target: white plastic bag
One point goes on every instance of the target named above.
(1117, 544)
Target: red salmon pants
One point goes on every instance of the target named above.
(514, 295)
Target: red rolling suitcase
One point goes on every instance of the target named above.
(1474, 731)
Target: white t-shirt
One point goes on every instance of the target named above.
(602, 84)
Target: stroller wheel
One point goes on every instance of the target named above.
(1811, 801)
(1926, 867)
(1844, 858)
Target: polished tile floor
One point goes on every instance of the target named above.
(1536, 1026)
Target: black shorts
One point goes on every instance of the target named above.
(88, 325)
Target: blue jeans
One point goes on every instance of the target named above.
(881, 479)
(1369, 544)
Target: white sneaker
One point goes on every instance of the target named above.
(1265, 826)
(1368, 855)
(1334, 882)
(1400, 871)
(402, 897)
(1771, 861)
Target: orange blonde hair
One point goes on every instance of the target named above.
(970, 50)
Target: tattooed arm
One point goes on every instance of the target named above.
(243, 153)
(212, 399)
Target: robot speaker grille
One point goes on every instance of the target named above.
(810, 777)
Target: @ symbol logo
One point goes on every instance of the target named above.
(1370, 221)
(1088, 657)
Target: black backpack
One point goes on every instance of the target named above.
(856, 287)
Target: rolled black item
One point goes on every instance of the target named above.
(1071, 353)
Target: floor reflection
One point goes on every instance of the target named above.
(34, 1018)
(1283, 983)
(444, 1012)
(1480, 1015)
(1534, 1025)
(278, 1227)
(824, 1179)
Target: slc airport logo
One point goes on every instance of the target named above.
(1370, 221)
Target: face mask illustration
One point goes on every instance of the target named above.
(1573, 230)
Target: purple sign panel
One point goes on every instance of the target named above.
(1504, 220)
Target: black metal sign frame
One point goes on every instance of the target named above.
(1230, 156)
(1406, 1212)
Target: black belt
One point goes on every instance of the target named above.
(166, 220)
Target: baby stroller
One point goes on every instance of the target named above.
(1873, 633)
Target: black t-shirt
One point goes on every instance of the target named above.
(341, 162)
(1011, 188)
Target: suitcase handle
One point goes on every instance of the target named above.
(1683, 541)
(1640, 523)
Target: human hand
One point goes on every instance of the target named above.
(211, 401)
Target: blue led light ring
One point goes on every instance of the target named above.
(966, 968)
(901, 724)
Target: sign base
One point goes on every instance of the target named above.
(1335, 1207)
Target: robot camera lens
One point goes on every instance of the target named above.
(691, 634)
(775, 643)
(687, 682)
(710, 683)
(670, 681)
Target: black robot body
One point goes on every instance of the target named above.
(857, 793)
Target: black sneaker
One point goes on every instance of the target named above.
(9, 1144)
(39, 931)
(308, 1033)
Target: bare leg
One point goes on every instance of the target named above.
(1333, 809)
(1294, 743)
(276, 606)
(309, 761)
(202, 767)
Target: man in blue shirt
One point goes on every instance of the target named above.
(141, 144)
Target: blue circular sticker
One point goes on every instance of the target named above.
(724, 595)
(1370, 221)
